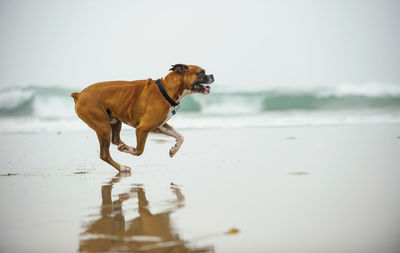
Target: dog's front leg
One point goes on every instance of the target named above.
(141, 136)
(168, 130)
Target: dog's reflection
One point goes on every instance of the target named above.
(147, 232)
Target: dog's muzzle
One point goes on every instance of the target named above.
(200, 87)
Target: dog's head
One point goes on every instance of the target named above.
(192, 77)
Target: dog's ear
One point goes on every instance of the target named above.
(179, 68)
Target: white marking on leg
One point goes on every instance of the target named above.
(124, 168)
(127, 149)
(178, 137)
(171, 131)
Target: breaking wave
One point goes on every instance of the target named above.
(53, 105)
(36, 101)
(55, 102)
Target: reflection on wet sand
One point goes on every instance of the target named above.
(147, 232)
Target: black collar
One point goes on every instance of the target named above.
(164, 93)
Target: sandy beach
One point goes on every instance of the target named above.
(288, 189)
(290, 113)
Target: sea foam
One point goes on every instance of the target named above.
(38, 108)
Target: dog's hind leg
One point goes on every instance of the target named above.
(115, 130)
(168, 130)
(98, 120)
(104, 140)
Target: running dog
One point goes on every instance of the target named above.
(144, 104)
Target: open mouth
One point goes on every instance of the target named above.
(200, 87)
(204, 89)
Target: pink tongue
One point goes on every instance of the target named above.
(208, 88)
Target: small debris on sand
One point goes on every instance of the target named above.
(160, 140)
(298, 173)
(232, 231)
(81, 172)
(9, 174)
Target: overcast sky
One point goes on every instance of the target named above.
(269, 43)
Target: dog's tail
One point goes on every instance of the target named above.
(75, 96)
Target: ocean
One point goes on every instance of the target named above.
(38, 108)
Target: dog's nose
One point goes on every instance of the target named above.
(211, 76)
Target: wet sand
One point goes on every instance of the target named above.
(294, 189)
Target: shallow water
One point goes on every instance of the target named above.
(125, 222)
(331, 189)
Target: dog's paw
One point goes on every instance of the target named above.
(122, 147)
(173, 150)
(127, 149)
(123, 168)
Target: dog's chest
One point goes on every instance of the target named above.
(169, 115)
(172, 110)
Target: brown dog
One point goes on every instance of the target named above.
(145, 104)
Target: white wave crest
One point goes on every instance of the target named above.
(36, 101)
(13, 98)
(230, 104)
(371, 89)
(54, 107)
(368, 89)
